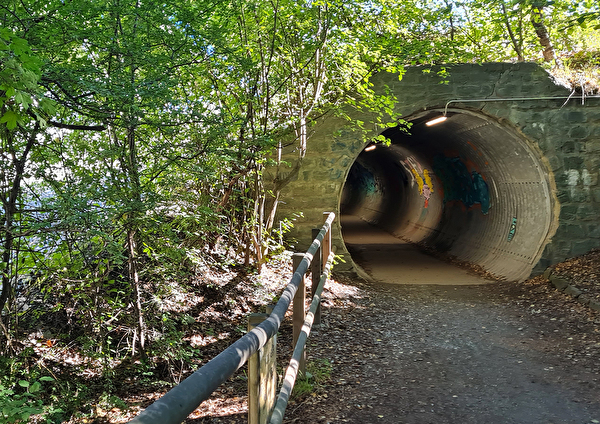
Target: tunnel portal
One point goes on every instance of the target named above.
(462, 187)
(509, 181)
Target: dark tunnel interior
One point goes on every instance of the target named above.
(469, 186)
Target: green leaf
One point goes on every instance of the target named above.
(35, 387)
(19, 46)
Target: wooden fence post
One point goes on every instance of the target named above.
(299, 311)
(262, 377)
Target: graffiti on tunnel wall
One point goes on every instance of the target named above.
(424, 182)
(361, 186)
(460, 184)
(363, 180)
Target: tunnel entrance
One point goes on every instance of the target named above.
(469, 186)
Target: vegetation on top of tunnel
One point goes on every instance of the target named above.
(140, 147)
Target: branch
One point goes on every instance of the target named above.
(46, 81)
(513, 39)
(78, 127)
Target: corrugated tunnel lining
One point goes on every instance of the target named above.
(470, 186)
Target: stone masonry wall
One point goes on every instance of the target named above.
(566, 136)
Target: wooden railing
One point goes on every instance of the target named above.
(183, 399)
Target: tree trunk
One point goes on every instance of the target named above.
(137, 293)
(10, 207)
(273, 212)
(132, 230)
(537, 20)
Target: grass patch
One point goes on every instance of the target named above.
(317, 373)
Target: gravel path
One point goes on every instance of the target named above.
(452, 354)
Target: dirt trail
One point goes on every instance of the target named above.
(452, 354)
(457, 349)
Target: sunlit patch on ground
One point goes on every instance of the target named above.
(221, 407)
(198, 340)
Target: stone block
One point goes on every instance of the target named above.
(567, 148)
(345, 161)
(559, 133)
(580, 147)
(525, 108)
(576, 116)
(592, 146)
(542, 142)
(590, 179)
(572, 162)
(585, 299)
(563, 249)
(572, 291)
(568, 212)
(583, 247)
(555, 162)
(532, 88)
(324, 161)
(540, 118)
(579, 132)
(563, 196)
(536, 132)
(579, 195)
(496, 109)
(527, 78)
(478, 78)
(336, 174)
(539, 268)
(559, 282)
(319, 148)
(508, 90)
(593, 230)
(574, 231)
(587, 212)
(472, 91)
(595, 305)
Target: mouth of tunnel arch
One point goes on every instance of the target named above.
(470, 187)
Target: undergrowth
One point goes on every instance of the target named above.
(580, 71)
(70, 376)
(317, 373)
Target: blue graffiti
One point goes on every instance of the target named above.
(461, 185)
(362, 179)
(367, 182)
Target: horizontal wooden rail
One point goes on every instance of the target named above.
(183, 399)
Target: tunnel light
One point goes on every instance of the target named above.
(436, 121)
(371, 147)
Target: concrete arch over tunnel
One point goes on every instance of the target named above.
(459, 187)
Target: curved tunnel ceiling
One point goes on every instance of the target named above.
(469, 186)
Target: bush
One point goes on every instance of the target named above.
(18, 406)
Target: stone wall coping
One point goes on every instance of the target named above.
(564, 284)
